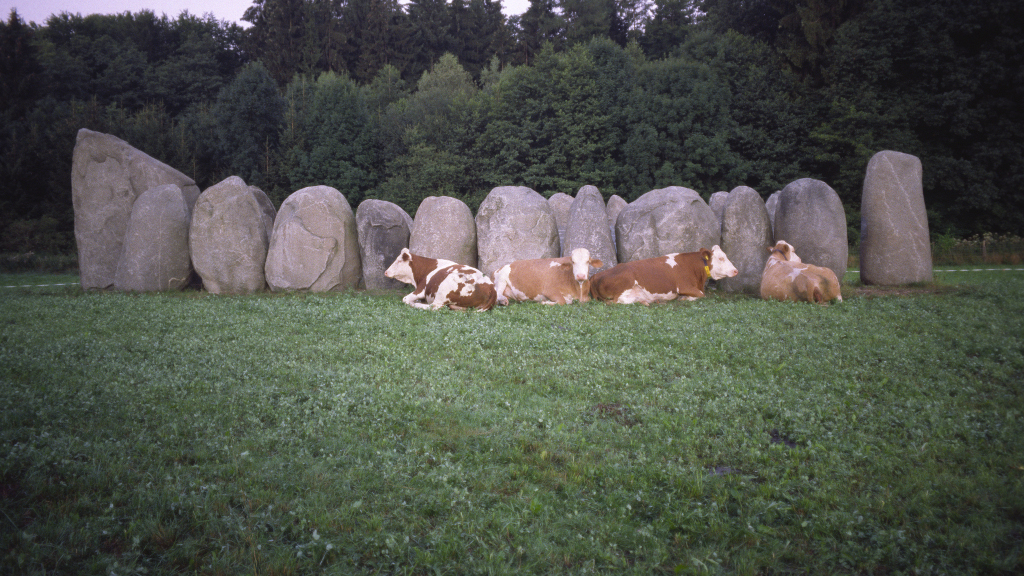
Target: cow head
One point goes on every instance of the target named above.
(784, 251)
(718, 264)
(581, 263)
(401, 268)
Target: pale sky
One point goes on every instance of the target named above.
(231, 10)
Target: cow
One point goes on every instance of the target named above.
(441, 283)
(786, 277)
(547, 280)
(660, 279)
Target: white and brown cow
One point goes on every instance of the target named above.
(786, 277)
(547, 280)
(441, 283)
(678, 275)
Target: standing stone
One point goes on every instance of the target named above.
(772, 204)
(107, 175)
(616, 204)
(444, 228)
(664, 221)
(746, 238)
(560, 203)
(588, 227)
(717, 203)
(811, 218)
(384, 229)
(314, 245)
(894, 243)
(514, 223)
(230, 236)
(155, 255)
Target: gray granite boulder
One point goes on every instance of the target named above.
(314, 245)
(560, 203)
(772, 204)
(588, 227)
(384, 229)
(107, 176)
(230, 236)
(615, 205)
(514, 223)
(746, 239)
(664, 221)
(155, 255)
(894, 244)
(444, 228)
(717, 203)
(810, 217)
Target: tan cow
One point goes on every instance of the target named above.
(441, 283)
(786, 277)
(547, 280)
(661, 279)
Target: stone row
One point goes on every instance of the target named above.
(140, 225)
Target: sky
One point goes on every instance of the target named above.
(231, 10)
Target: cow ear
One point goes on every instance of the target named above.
(596, 263)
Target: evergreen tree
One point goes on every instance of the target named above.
(668, 27)
(540, 24)
(249, 113)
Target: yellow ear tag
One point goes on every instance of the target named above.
(707, 270)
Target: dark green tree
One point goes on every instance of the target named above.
(248, 114)
(940, 80)
(331, 138)
(539, 25)
(668, 27)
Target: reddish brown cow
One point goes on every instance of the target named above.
(547, 280)
(661, 279)
(786, 277)
(441, 283)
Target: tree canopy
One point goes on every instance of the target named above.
(400, 101)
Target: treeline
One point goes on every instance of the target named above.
(400, 102)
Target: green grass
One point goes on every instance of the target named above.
(348, 433)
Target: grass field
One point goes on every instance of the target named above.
(348, 433)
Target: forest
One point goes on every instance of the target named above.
(400, 101)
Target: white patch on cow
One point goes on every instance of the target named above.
(401, 268)
(720, 265)
(639, 295)
(581, 265)
(671, 259)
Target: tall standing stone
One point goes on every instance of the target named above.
(560, 203)
(811, 218)
(588, 227)
(384, 229)
(107, 175)
(746, 238)
(314, 245)
(514, 223)
(894, 244)
(717, 203)
(664, 221)
(155, 255)
(230, 236)
(616, 204)
(444, 228)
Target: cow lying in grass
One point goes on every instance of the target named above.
(547, 280)
(787, 278)
(441, 283)
(661, 279)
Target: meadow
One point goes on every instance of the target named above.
(349, 434)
